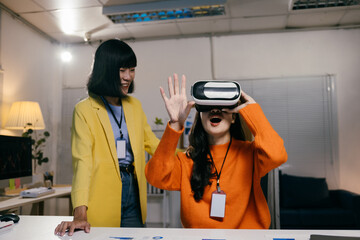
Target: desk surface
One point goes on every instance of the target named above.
(19, 201)
(42, 228)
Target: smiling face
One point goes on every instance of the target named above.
(217, 125)
(127, 75)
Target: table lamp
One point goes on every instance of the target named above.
(24, 115)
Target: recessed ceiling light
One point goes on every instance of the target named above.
(164, 10)
(310, 4)
(67, 21)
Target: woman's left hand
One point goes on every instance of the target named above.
(244, 101)
(177, 105)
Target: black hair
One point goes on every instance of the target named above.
(109, 57)
(198, 151)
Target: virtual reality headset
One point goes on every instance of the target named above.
(215, 94)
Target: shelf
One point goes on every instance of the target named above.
(152, 195)
(158, 199)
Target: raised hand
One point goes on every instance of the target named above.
(177, 105)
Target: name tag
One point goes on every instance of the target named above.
(121, 148)
(218, 200)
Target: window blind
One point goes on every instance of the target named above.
(302, 111)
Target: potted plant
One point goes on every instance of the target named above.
(37, 143)
(158, 121)
(159, 127)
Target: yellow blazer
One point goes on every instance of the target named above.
(96, 181)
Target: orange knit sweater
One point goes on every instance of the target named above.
(245, 164)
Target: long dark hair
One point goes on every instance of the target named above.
(109, 57)
(198, 151)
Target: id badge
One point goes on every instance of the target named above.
(218, 200)
(121, 148)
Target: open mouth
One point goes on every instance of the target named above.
(215, 120)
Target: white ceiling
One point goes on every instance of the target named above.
(242, 16)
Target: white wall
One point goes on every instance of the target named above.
(32, 73)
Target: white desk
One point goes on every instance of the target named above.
(42, 228)
(38, 202)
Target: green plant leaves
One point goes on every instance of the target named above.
(38, 142)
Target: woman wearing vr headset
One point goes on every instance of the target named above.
(219, 174)
(109, 136)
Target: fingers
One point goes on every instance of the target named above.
(61, 228)
(84, 225)
(170, 86)
(176, 84)
(246, 98)
(183, 85)
(244, 101)
(190, 104)
(243, 97)
(71, 227)
(57, 229)
(162, 92)
(87, 228)
(174, 88)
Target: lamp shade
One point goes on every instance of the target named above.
(24, 113)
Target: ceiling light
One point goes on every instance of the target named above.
(87, 37)
(67, 21)
(310, 4)
(66, 56)
(164, 10)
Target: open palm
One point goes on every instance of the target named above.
(177, 104)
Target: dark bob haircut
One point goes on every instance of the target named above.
(110, 56)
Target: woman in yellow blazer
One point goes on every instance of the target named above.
(110, 135)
